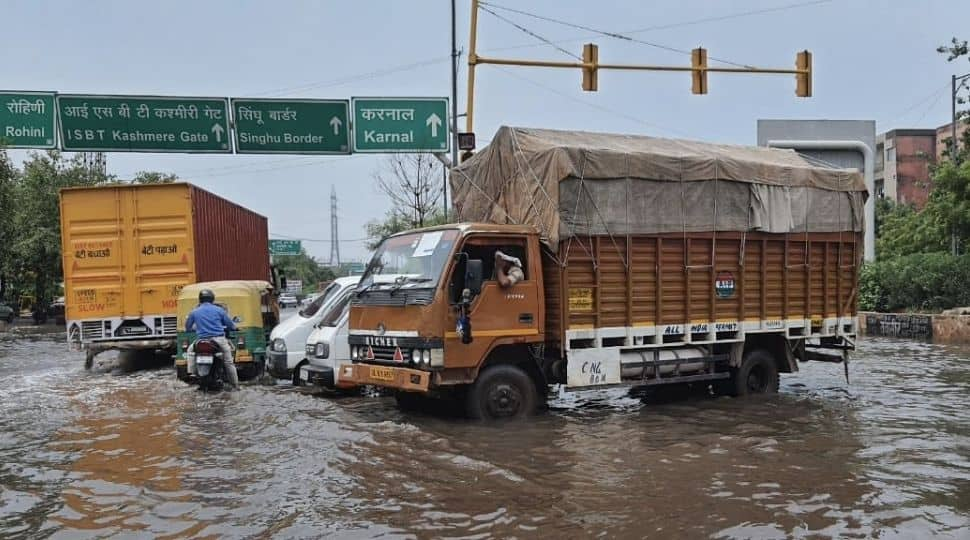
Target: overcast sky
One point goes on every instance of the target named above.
(873, 60)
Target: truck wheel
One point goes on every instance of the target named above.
(501, 391)
(758, 374)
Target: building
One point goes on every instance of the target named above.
(943, 133)
(904, 158)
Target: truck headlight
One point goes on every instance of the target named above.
(437, 357)
(279, 345)
(354, 353)
(322, 350)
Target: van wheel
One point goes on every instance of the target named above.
(296, 373)
(501, 391)
(758, 374)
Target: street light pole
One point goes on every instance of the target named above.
(454, 106)
(953, 109)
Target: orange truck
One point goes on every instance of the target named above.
(644, 262)
(128, 249)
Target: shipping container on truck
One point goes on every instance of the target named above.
(128, 249)
(646, 261)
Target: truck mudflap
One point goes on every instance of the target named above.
(409, 380)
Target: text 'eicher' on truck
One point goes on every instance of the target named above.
(129, 249)
(644, 261)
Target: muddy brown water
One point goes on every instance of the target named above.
(112, 453)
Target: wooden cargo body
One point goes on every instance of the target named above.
(659, 290)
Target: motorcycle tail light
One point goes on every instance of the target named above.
(241, 342)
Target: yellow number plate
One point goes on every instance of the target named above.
(382, 373)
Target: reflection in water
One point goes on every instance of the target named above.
(104, 454)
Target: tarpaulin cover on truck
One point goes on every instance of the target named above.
(573, 183)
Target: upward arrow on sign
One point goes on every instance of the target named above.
(434, 121)
(335, 124)
(217, 130)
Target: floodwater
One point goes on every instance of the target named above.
(113, 453)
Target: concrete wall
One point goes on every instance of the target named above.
(939, 328)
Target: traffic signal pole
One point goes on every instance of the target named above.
(590, 65)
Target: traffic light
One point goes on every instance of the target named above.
(803, 81)
(591, 55)
(698, 63)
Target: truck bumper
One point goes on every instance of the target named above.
(130, 344)
(409, 380)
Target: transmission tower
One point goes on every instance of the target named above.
(334, 237)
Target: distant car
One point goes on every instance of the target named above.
(7, 313)
(288, 300)
(56, 310)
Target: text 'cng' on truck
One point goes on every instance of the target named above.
(644, 261)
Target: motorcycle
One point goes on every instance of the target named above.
(210, 370)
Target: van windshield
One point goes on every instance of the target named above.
(336, 311)
(318, 302)
(418, 259)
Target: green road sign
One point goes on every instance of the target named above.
(284, 247)
(401, 125)
(27, 120)
(144, 124)
(291, 126)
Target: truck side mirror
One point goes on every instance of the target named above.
(473, 276)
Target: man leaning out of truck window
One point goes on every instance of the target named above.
(508, 269)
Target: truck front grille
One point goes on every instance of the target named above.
(170, 325)
(91, 330)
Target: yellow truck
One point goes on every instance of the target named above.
(129, 249)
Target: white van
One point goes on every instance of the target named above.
(288, 339)
(327, 348)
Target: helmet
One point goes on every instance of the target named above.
(206, 295)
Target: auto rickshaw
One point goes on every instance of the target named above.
(252, 307)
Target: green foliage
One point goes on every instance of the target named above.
(901, 230)
(303, 267)
(30, 225)
(921, 282)
(395, 222)
(153, 177)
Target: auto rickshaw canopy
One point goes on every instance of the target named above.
(242, 300)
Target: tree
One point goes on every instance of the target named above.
(304, 268)
(955, 50)
(8, 183)
(413, 183)
(153, 177)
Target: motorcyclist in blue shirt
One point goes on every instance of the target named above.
(210, 321)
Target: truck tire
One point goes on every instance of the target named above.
(296, 373)
(502, 391)
(758, 374)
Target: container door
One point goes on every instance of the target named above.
(92, 229)
(161, 249)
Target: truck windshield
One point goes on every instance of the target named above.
(418, 259)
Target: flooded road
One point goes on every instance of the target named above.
(140, 455)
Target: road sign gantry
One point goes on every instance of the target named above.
(95, 123)
(27, 120)
(291, 126)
